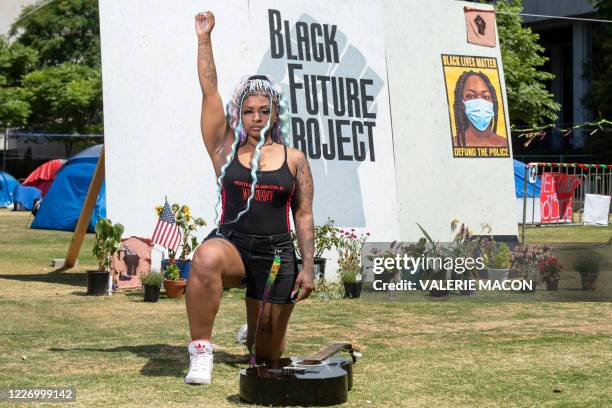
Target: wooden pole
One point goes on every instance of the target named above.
(88, 205)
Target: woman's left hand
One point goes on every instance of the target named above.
(304, 283)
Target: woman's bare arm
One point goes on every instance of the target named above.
(304, 225)
(214, 127)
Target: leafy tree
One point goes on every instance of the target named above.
(50, 76)
(53, 71)
(61, 31)
(599, 69)
(14, 110)
(599, 72)
(65, 98)
(529, 101)
(15, 60)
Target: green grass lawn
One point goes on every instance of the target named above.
(570, 233)
(120, 351)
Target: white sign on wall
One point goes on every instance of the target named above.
(332, 73)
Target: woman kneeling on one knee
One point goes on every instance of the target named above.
(259, 180)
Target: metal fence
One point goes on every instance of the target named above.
(595, 179)
(23, 151)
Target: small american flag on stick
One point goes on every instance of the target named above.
(167, 233)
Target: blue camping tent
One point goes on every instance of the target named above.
(61, 207)
(7, 185)
(24, 197)
(533, 189)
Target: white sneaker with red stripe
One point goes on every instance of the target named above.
(200, 362)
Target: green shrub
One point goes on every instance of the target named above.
(152, 279)
(172, 272)
(502, 258)
(349, 275)
(328, 290)
(587, 265)
(106, 243)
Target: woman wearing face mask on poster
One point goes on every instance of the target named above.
(476, 108)
(259, 180)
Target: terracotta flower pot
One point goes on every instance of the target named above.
(175, 289)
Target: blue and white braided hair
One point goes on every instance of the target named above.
(253, 85)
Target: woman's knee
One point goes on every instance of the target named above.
(207, 261)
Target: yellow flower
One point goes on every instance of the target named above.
(185, 210)
(159, 209)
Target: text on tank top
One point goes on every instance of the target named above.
(271, 202)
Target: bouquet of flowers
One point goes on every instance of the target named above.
(349, 250)
(549, 268)
(525, 258)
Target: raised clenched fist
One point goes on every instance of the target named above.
(204, 23)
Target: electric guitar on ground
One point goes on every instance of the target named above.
(320, 379)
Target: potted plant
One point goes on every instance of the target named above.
(151, 283)
(588, 268)
(497, 258)
(549, 268)
(463, 245)
(524, 264)
(351, 279)
(106, 243)
(173, 283)
(188, 225)
(326, 238)
(349, 261)
(434, 250)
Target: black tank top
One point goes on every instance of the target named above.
(269, 210)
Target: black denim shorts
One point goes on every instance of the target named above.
(257, 253)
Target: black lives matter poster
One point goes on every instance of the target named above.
(476, 106)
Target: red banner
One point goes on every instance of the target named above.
(557, 190)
